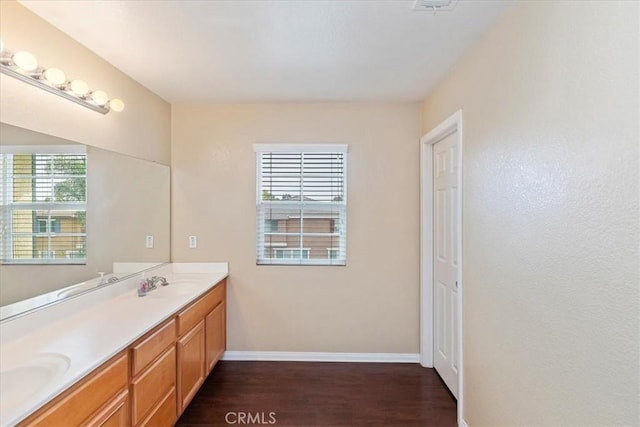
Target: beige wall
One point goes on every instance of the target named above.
(551, 274)
(371, 305)
(141, 130)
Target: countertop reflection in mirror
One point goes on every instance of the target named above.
(53, 238)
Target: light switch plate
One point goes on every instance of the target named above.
(193, 242)
(149, 242)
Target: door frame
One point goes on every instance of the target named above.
(450, 125)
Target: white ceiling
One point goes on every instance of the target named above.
(275, 51)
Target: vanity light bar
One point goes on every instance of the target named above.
(24, 66)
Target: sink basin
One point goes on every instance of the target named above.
(175, 288)
(27, 379)
(184, 282)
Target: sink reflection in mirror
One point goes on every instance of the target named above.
(85, 286)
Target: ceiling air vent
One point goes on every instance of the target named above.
(434, 5)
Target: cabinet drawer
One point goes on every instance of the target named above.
(165, 413)
(150, 387)
(193, 314)
(116, 414)
(152, 346)
(87, 397)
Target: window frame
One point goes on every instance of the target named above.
(264, 249)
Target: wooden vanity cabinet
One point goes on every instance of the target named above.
(151, 382)
(201, 342)
(153, 377)
(100, 399)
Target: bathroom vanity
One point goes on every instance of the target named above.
(112, 358)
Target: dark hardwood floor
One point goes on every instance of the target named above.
(321, 394)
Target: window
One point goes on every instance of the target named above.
(292, 253)
(43, 197)
(270, 225)
(46, 254)
(301, 204)
(47, 226)
(332, 253)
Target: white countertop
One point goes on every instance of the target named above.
(67, 341)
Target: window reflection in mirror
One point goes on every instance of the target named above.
(43, 194)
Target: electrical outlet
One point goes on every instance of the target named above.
(193, 242)
(149, 242)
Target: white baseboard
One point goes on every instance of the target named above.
(294, 356)
(463, 423)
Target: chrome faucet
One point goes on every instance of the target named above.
(162, 280)
(102, 280)
(148, 285)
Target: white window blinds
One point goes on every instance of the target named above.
(43, 196)
(301, 204)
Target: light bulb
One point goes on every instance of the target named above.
(99, 97)
(25, 60)
(79, 88)
(55, 76)
(116, 105)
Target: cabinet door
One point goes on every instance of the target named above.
(216, 334)
(191, 364)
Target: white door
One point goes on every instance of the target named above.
(445, 259)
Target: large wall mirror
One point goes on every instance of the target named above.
(69, 211)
